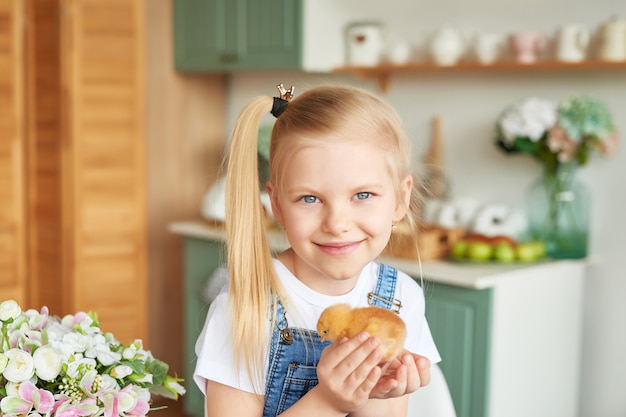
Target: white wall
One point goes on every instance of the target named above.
(469, 104)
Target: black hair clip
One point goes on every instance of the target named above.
(280, 103)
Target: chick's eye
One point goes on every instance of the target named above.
(309, 199)
(363, 195)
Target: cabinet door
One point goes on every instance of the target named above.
(228, 35)
(202, 257)
(12, 227)
(272, 34)
(460, 321)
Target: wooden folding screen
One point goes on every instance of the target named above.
(73, 156)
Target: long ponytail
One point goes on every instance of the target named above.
(251, 272)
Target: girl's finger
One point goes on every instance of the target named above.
(413, 380)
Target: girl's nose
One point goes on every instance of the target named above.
(336, 220)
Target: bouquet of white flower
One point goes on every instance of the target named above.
(67, 367)
(557, 133)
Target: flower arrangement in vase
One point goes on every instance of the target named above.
(66, 367)
(561, 136)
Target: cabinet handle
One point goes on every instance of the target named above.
(229, 57)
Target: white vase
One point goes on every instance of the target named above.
(447, 46)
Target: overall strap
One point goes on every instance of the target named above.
(384, 294)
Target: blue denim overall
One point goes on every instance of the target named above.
(294, 353)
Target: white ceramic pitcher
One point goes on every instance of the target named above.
(572, 42)
(613, 40)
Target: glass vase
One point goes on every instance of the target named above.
(558, 206)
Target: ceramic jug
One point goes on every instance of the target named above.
(399, 52)
(365, 43)
(613, 40)
(488, 47)
(572, 43)
(447, 46)
(527, 46)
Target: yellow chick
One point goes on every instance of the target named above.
(341, 320)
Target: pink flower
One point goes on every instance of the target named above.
(561, 144)
(29, 398)
(141, 409)
(78, 318)
(42, 400)
(84, 408)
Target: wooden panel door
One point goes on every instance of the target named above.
(12, 230)
(86, 180)
(44, 164)
(103, 160)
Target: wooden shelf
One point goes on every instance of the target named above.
(382, 73)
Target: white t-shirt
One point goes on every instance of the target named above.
(214, 348)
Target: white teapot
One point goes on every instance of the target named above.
(447, 46)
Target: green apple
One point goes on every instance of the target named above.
(527, 252)
(540, 248)
(479, 251)
(459, 249)
(504, 252)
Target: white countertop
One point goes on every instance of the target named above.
(461, 274)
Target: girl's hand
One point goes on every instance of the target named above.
(348, 371)
(403, 375)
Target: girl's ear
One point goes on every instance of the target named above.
(276, 210)
(402, 206)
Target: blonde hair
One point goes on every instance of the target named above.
(322, 113)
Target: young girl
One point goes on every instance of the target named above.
(340, 180)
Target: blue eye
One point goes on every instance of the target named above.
(364, 195)
(310, 199)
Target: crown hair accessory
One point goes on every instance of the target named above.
(280, 102)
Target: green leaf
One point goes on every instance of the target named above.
(137, 366)
(158, 369)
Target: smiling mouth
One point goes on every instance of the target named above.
(336, 249)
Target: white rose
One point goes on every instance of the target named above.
(9, 309)
(47, 363)
(20, 367)
(13, 389)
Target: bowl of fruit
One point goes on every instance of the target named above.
(476, 247)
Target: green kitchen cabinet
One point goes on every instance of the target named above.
(231, 35)
(201, 258)
(459, 319)
(510, 336)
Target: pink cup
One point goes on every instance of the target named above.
(527, 46)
